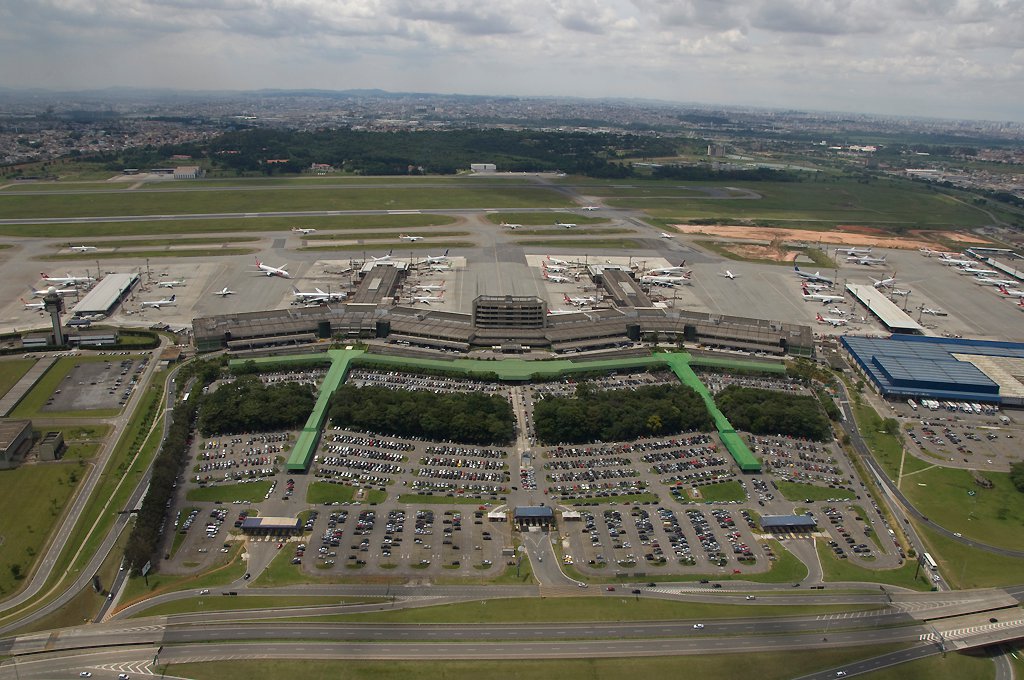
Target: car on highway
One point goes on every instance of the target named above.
(751, 597)
(204, 591)
(610, 589)
(85, 674)
(123, 676)
(698, 626)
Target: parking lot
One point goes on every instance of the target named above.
(105, 384)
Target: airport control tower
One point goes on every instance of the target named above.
(54, 304)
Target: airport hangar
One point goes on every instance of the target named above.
(512, 324)
(944, 369)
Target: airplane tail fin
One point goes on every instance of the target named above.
(568, 300)
(446, 252)
(172, 297)
(819, 317)
(258, 263)
(1002, 289)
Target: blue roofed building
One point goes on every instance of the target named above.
(944, 369)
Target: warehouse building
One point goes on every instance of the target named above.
(15, 440)
(943, 369)
(107, 294)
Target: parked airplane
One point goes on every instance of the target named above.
(854, 251)
(580, 301)
(411, 239)
(900, 292)
(728, 274)
(382, 258)
(815, 287)
(934, 312)
(510, 226)
(1012, 292)
(33, 305)
(680, 269)
(928, 252)
(883, 283)
(58, 291)
(300, 230)
(224, 292)
(831, 321)
(429, 286)
(816, 276)
(553, 260)
(667, 281)
(557, 278)
(318, 295)
(557, 268)
(977, 271)
(985, 281)
(953, 261)
(590, 207)
(170, 284)
(565, 225)
(560, 312)
(159, 303)
(427, 299)
(837, 311)
(273, 271)
(436, 259)
(666, 235)
(83, 249)
(821, 297)
(867, 260)
(66, 280)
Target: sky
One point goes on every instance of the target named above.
(941, 58)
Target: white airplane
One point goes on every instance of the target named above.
(950, 261)
(933, 312)
(667, 281)
(224, 292)
(900, 292)
(157, 304)
(590, 207)
(427, 299)
(170, 284)
(985, 281)
(556, 278)
(560, 312)
(822, 297)
(510, 226)
(66, 280)
(58, 291)
(318, 295)
(681, 269)
(436, 259)
(883, 283)
(557, 268)
(273, 271)
(976, 271)
(928, 252)
(580, 301)
(33, 305)
(429, 286)
(728, 274)
(83, 249)
(300, 230)
(553, 260)
(837, 311)
(815, 287)
(854, 251)
(442, 267)
(382, 258)
(867, 260)
(667, 235)
(816, 276)
(831, 321)
(410, 239)
(565, 225)
(1011, 292)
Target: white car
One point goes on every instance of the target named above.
(123, 676)
(85, 674)
(698, 626)
(204, 591)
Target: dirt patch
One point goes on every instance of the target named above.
(755, 252)
(856, 229)
(956, 236)
(803, 236)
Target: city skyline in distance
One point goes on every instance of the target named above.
(946, 59)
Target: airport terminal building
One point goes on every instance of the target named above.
(942, 369)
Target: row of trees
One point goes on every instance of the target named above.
(466, 417)
(1017, 476)
(144, 541)
(767, 412)
(606, 416)
(247, 405)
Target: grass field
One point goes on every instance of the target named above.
(281, 572)
(125, 253)
(229, 570)
(222, 225)
(379, 235)
(583, 244)
(35, 495)
(325, 492)
(161, 242)
(178, 202)
(253, 492)
(393, 245)
(11, 371)
(824, 203)
(835, 569)
(423, 499)
(596, 231)
(796, 491)
(965, 567)
(994, 516)
(722, 492)
(540, 219)
(625, 499)
(780, 665)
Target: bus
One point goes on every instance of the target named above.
(929, 562)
